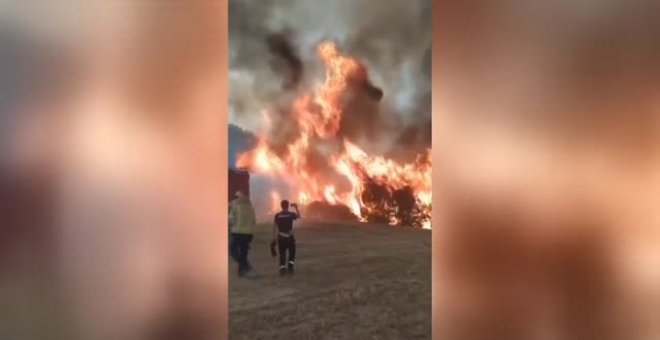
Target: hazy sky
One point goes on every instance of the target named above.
(394, 41)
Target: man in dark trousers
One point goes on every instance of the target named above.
(283, 234)
(243, 221)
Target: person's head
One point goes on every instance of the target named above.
(242, 198)
(285, 205)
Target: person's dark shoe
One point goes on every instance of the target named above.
(243, 270)
(290, 268)
(282, 271)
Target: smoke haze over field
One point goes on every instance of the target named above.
(272, 52)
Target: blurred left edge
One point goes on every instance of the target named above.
(113, 169)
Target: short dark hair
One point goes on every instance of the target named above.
(284, 204)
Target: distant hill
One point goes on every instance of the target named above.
(239, 141)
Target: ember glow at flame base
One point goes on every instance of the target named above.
(323, 166)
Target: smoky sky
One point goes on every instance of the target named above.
(280, 46)
(272, 58)
(240, 140)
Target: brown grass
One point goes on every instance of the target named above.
(351, 282)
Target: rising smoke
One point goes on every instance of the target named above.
(272, 57)
(287, 60)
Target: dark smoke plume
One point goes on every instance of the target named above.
(280, 46)
(373, 91)
(273, 59)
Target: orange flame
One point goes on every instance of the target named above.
(318, 114)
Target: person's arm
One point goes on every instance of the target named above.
(275, 229)
(295, 206)
(232, 214)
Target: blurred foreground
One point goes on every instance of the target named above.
(111, 170)
(548, 170)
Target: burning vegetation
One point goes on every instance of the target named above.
(311, 144)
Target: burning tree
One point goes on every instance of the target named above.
(396, 207)
(308, 145)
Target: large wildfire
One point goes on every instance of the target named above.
(323, 166)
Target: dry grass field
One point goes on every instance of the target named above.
(351, 282)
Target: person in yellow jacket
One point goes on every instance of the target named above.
(243, 221)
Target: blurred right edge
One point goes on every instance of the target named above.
(545, 170)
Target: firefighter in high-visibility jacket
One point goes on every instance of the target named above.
(243, 221)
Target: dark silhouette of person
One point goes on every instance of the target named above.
(283, 235)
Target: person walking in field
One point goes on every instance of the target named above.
(283, 235)
(243, 221)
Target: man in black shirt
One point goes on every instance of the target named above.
(283, 233)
